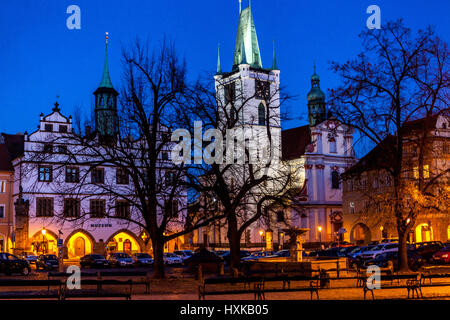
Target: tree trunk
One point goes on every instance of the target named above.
(235, 242)
(158, 255)
(403, 250)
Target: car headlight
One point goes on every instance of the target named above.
(445, 255)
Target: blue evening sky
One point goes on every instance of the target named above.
(41, 58)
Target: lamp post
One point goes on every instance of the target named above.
(43, 240)
(320, 234)
(281, 240)
(261, 232)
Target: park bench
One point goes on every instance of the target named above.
(259, 286)
(99, 291)
(414, 284)
(144, 278)
(313, 287)
(30, 293)
(203, 292)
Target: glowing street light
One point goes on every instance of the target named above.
(320, 233)
(43, 240)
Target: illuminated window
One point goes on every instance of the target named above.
(2, 186)
(426, 172)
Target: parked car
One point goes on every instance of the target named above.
(389, 240)
(227, 255)
(93, 261)
(47, 262)
(284, 253)
(428, 249)
(10, 264)
(172, 258)
(381, 260)
(221, 252)
(415, 261)
(443, 255)
(29, 256)
(120, 259)
(330, 252)
(258, 255)
(341, 244)
(379, 249)
(142, 259)
(354, 255)
(183, 254)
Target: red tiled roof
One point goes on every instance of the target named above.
(294, 142)
(14, 144)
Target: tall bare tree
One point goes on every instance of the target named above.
(398, 78)
(242, 190)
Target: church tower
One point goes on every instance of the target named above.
(250, 93)
(106, 103)
(316, 102)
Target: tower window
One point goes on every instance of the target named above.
(48, 127)
(261, 115)
(335, 179)
(230, 92)
(62, 128)
(101, 102)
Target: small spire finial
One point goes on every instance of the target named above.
(106, 37)
(240, 6)
(274, 62)
(219, 67)
(314, 66)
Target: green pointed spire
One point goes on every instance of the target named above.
(219, 67)
(274, 61)
(244, 55)
(106, 80)
(246, 37)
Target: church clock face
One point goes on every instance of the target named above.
(262, 89)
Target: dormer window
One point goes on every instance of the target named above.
(48, 127)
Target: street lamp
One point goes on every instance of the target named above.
(320, 233)
(261, 232)
(43, 240)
